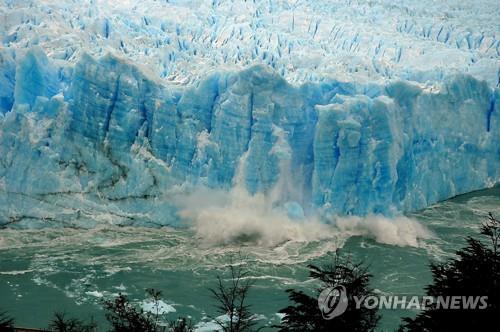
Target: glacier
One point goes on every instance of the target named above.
(111, 110)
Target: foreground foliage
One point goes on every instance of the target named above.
(6, 322)
(304, 314)
(125, 317)
(231, 296)
(474, 272)
(61, 323)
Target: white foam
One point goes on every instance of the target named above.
(159, 307)
(224, 217)
(14, 273)
(95, 294)
(221, 217)
(121, 288)
(399, 231)
(207, 327)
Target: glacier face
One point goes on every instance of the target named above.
(107, 115)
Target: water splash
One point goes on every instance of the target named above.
(270, 219)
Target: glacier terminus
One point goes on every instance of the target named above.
(112, 110)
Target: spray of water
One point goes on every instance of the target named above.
(400, 231)
(272, 218)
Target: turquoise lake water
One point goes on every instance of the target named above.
(43, 271)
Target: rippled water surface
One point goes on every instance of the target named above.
(42, 271)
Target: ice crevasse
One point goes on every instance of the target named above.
(99, 138)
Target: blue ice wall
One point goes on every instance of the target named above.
(106, 142)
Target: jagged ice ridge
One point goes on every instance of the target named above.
(110, 109)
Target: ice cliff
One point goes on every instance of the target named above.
(109, 110)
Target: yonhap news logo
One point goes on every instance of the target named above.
(333, 302)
